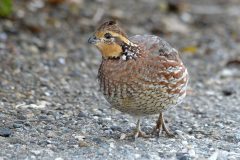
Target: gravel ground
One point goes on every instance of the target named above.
(50, 104)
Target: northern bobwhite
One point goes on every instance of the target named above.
(136, 80)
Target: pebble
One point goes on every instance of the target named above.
(237, 135)
(183, 156)
(214, 156)
(43, 117)
(83, 144)
(39, 105)
(3, 36)
(112, 145)
(180, 134)
(51, 134)
(33, 49)
(137, 156)
(98, 140)
(107, 118)
(116, 128)
(82, 114)
(36, 152)
(192, 153)
(5, 132)
(48, 94)
(61, 60)
(123, 136)
(229, 72)
(154, 155)
(80, 137)
(228, 91)
(17, 125)
(2, 46)
(184, 142)
(220, 125)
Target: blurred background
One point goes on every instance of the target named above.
(49, 99)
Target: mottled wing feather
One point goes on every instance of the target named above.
(156, 45)
(165, 71)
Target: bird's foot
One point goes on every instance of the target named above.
(157, 131)
(140, 133)
(135, 134)
(161, 126)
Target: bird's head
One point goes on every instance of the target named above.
(109, 39)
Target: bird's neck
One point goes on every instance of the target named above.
(130, 51)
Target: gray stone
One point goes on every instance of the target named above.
(5, 132)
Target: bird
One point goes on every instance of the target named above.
(139, 75)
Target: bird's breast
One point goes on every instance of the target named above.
(142, 87)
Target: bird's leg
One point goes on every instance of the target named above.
(161, 126)
(137, 131)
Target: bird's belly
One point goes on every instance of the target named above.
(143, 102)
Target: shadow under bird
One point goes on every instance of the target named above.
(139, 75)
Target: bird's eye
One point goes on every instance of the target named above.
(107, 35)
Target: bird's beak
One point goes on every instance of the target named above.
(93, 40)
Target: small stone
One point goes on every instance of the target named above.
(107, 118)
(36, 152)
(49, 142)
(153, 155)
(214, 156)
(186, 17)
(116, 128)
(228, 91)
(125, 120)
(43, 117)
(237, 135)
(123, 136)
(210, 93)
(47, 93)
(183, 156)
(220, 125)
(5, 132)
(83, 144)
(33, 49)
(112, 145)
(192, 153)
(3, 36)
(181, 134)
(39, 105)
(229, 72)
(137, 156)
(82, 114)
(17, 125)
(51, 134)
(184, 142)
(61, 60)
(80, 137)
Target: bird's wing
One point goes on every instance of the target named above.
(156, 45)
